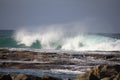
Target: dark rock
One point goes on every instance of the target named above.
(26, 77)
(110, 56)
(67, 79)
(93, 77)
(5, 77)
(46, 77)
(31, 77)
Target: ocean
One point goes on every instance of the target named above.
(53, 41)
(84, 50)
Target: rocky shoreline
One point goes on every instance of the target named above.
(108, 65)
(99, 72)
(45, 60)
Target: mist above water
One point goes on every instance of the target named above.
(66, 37)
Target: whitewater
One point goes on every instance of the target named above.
(57, 39)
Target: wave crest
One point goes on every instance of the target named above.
(57, 39)
(46, 38)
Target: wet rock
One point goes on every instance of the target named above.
(84, 76)
(26, 77)
(87, 76)
(21, 77)
(31, 77)
(106, 78)
(67, 79)
(46, 77)
(102, 72)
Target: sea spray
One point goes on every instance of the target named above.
(59, 39)
(48, 39)
(91, 42)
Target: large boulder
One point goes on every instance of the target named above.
(101, 72)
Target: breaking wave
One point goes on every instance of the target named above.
(62, 40)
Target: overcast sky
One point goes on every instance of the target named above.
(93, 15)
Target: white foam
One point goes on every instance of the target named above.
(83, 43)
(66, 71)
(53, 38)
(45, 38)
